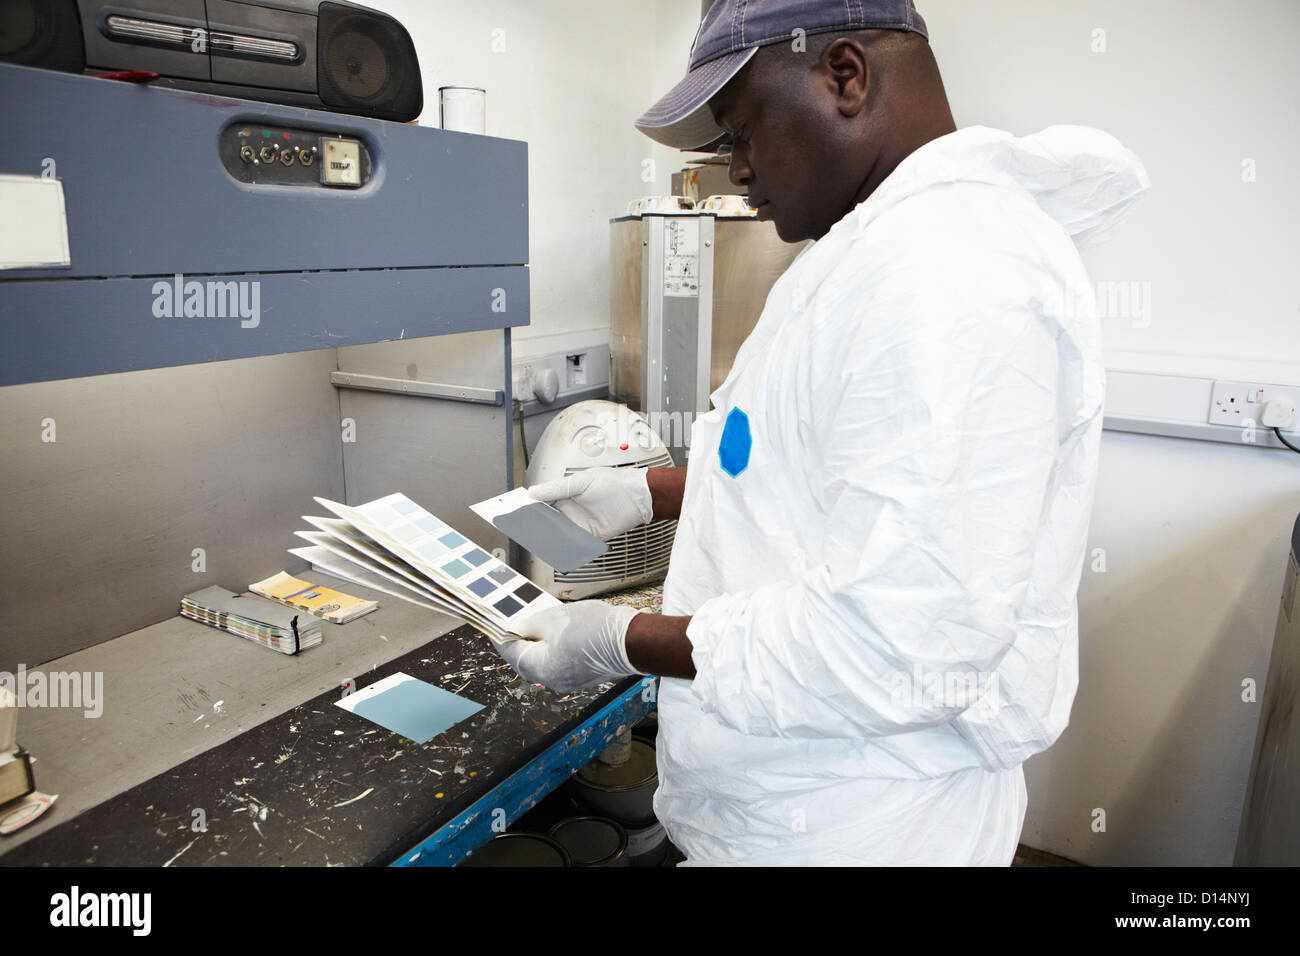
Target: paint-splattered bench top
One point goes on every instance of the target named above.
(314, 785)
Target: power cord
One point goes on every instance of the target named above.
(519, 417)
(1278, 432)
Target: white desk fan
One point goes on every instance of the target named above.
(598, 434)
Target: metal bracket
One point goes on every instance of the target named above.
(401, 386)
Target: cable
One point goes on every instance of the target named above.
(523, 441)
(1278, 432)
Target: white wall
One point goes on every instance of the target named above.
(571, 78)
(1194, 533)
(1194, 87)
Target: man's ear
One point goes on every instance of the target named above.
(848, 68)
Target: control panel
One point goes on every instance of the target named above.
(682, 256)
(284, 156)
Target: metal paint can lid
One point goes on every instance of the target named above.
(639, 771)
(519, 849)
(592, 841)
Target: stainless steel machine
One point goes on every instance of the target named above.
(687, 289)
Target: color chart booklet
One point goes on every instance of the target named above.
(323, 602)
(395, 546)
(272, 625)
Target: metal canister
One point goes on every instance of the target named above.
(624, 792)
(519, 849)
(592, 841)
(462, 108)
(647, 846)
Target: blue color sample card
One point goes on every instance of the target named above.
(409, 706)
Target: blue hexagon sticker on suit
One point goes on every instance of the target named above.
(734, 446)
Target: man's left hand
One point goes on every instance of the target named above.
(576, 645)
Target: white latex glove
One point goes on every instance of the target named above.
(604, 501)
(577, 645)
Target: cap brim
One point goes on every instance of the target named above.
(681, 119)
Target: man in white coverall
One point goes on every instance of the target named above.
(870, 616)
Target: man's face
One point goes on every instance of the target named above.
(782, 150)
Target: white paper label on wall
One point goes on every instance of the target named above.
(36, 223)
(682, 257)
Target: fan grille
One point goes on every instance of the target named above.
(642, 552)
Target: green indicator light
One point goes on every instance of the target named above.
(266, 134)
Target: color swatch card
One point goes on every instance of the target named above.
(422, 559)
(541, 529)
(408, 706)
(323, 602)
(359, 565)
(445, 558)
(322, 559)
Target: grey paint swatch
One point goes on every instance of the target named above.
(550, 536)
(416, 710)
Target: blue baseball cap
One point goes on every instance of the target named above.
(731, 33)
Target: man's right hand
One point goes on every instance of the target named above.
(604, 501)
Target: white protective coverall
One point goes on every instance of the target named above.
(904, 501)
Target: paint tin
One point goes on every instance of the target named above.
(625, 792)
(647, 846)
(592, 841)
(519, 849)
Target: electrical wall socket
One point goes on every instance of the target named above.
(575, 369)
(1236, 403)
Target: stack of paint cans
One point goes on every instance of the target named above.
(624, 793)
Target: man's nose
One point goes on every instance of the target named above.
(738, 170)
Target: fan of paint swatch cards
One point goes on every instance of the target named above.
(393, 545)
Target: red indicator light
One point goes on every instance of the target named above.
(623, 447)
(286, 135)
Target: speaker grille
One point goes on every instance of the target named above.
(44, 33)
(367, 64)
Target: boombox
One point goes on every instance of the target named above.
(322, 55)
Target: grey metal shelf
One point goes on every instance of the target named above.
(435, 242)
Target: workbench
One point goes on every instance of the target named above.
(212, 750)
